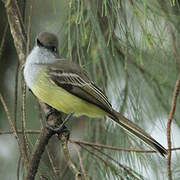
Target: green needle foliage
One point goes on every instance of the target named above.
(127, 48)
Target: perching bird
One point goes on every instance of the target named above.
(66, 87)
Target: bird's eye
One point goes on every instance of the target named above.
(39, 43)
(54, 49)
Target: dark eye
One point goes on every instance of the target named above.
(53, 48)
(39, 43)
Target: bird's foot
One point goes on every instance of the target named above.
(62, 128)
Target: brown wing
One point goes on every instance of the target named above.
(75, 80)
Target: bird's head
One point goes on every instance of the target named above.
(48, 41)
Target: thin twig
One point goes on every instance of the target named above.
(111, 147)
(3, 40)
(23, 110)
(71, 165)
(16, 28)
(81, 163)
(18, 167)
(13, 129)
(21, 17)
(174, 99)
(29, 28)
(91, 143)
(171, 114)
(16, 94)
(20, 132)
(52, 164)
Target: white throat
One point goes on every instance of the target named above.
(40, 55)
(35, 59)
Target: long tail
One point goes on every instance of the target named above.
(138, 132)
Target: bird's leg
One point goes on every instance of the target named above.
(50, 112)
(62, 128)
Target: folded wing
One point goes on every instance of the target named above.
(75, 80)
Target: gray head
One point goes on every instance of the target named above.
(44, 52)
(48, 41)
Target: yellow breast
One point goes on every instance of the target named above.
(62, 100)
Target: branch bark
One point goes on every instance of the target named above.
(41, 144)
(174, 99)
(71, 165)
(39, 148)
(55, 119)
(16, 29)
(171, 114)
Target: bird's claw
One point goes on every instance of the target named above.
(62, 128)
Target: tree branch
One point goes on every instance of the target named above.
(39, 148)
(114, 148)
(3, 40)
(174, 99)
(14, 129)
(51, 160)
(171, 114)
(81, 162)
(29, 131)
(87, 143)
(16, 29)
(71, 165)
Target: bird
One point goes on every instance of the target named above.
(66, 87)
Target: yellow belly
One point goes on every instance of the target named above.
(62, 100)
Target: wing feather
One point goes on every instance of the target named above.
(78, 83)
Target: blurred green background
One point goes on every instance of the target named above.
(128, 49)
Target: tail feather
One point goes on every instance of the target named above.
(138, 132)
